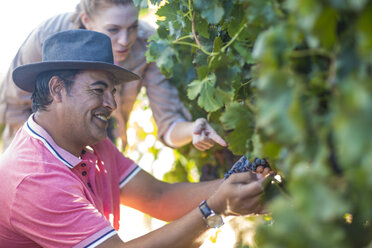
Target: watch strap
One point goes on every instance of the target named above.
(205, 209)
(212, 219)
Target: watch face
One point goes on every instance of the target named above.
(214, 221)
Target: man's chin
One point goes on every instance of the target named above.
(98, 138)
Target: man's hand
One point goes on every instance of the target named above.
(238, 195)
(204, 136)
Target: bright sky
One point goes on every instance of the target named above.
(19, 17)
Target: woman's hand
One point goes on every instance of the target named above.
(204, 136)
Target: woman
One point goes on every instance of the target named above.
(119, 20)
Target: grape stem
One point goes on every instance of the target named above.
(277, 185)
(234, 37)
(191, 16)
(183, 37)
(197, 40)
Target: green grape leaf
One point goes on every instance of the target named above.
(140, 3)
(239, 118)
(213, 15)
(226, 96)
(236, 24)
(217, 44)
(364, 32)
(193, 89)
(203, 71)
(174, 20)
(228, 77)
(238, 140)
(208, 98)
(169, 11)
(325, 27)
(235, 114)
(201, 27)
(155, 2)
(244, 51)
(210, 10)
(162, 54)
(211, 98)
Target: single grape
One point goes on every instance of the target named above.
(253, 166)
(257, 161)
(243, 159)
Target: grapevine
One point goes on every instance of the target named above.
(290, 81)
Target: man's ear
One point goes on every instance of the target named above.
(56, 86)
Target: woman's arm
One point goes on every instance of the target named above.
(202, 135)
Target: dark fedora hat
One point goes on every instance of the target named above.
(73, 49)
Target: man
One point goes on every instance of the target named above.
(62, 180)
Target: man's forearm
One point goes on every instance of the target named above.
(162, 200)
(187, 232)
(183, 197)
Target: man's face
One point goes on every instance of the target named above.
(87, 106)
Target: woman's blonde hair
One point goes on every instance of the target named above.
(90, 7)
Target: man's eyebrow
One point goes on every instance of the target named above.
(100, 83)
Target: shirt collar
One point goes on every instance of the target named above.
(36, 131)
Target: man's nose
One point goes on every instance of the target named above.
(109, 101)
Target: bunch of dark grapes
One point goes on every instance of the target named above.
(243, 165)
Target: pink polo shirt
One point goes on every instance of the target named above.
(50, 198)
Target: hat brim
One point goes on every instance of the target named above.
(25, 76)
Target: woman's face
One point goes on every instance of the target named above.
(120, 23)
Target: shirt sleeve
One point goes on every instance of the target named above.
(126, 168)
(165, 103)
(167, 138)
(53, 210)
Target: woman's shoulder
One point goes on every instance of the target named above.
(54, 24)
(145, 30)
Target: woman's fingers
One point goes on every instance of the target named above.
(204, 136)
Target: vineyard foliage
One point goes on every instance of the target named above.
(290, 81)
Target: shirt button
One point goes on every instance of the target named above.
(83, 152)
(83, 165)
(84, 173)
(89, 185)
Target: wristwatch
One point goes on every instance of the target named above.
(211, 218)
